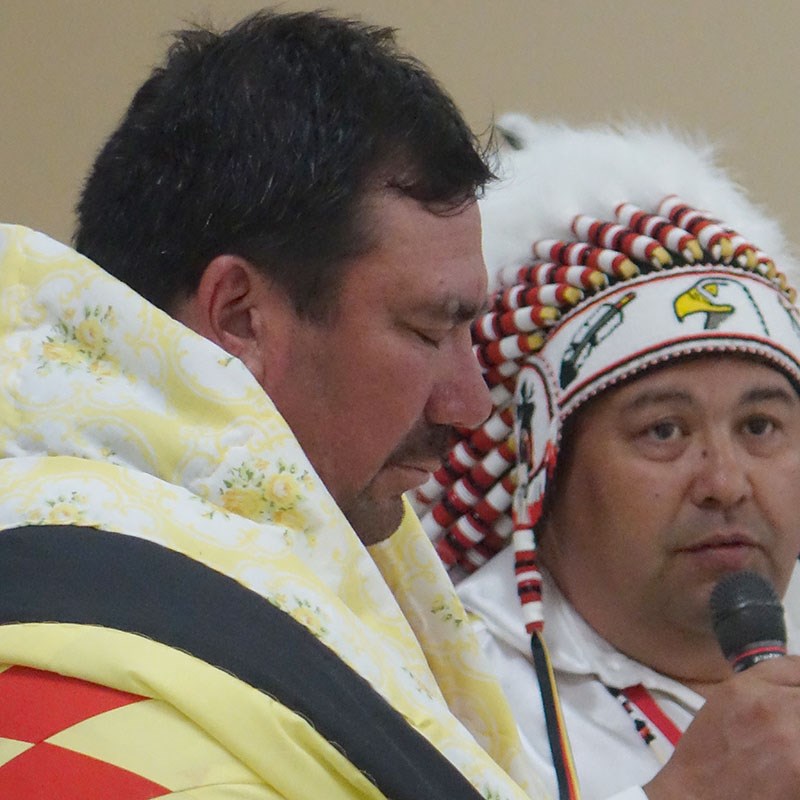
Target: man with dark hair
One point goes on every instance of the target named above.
(285, 152)
(269, 141)
(187, 605)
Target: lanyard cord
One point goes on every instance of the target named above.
(554, 721)
(656, 730)
(648, 719)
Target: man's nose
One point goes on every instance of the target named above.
(460, 397)
(721, 479)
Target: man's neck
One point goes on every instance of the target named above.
(689, 655)
(694, 660)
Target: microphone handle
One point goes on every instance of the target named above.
(757, 652)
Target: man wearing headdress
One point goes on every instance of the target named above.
(643, 352)
(212, 408)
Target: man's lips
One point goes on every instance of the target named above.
(411, 474)
(424, 468)
(719, 541)
(727, 552)
(428, 465)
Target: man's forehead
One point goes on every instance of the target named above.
(747, 376)
(430, 263)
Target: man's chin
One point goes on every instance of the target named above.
(374, 520)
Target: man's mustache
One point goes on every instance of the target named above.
(425, 444)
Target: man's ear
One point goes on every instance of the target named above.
(238, 308)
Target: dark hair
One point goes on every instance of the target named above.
(262, 141)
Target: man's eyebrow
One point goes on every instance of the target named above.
(779, 393)
(755, 395)
(454, 309)
(653, 396)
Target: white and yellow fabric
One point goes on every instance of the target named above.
(113, 416)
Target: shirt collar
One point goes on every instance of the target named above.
(575, 647)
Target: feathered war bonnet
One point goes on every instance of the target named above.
(609, 251)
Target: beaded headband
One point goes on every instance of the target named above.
(560, 330)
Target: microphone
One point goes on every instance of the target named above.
(747, 617)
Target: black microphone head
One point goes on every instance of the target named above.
(745, 612)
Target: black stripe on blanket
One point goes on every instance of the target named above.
(92, 577)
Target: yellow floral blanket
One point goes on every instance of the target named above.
(115, 416)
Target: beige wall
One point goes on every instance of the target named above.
(730, 68)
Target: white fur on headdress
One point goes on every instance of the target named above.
(553, 172)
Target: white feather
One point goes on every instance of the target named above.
(559, 172)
